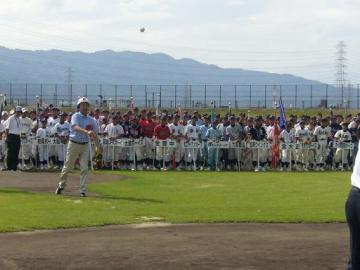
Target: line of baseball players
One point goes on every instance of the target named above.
(52, 128)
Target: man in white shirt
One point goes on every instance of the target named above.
(2, 129)
(13, 130)
(352, 211)
(25, 149)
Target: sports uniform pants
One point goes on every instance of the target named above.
(13, 148)
(74, 151)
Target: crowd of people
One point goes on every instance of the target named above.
(134, 140)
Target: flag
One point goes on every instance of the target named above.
(282, 120)
(2, 99)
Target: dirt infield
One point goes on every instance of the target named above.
(165, 246)
(193, 246)
(48, 181)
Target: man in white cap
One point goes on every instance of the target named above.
(25, 149)
(13, 131)
(83, 128)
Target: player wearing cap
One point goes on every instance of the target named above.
(235, 133)
(52, 120)
(258, 133)
(26, 127)
(302, 136)
(83, 128)
(322, 134)
(162, 132)
(42, 136)
(341, 155)
(177, 133)
(62, 131)
(192, 133)
(147, 130)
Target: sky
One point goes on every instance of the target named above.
(296, 37)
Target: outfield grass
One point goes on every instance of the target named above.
(182, 197)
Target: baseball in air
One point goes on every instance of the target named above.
(142, 30)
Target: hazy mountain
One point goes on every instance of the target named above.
(125, 68)
(101, 70)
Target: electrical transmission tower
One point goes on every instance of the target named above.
(69, 80)
(340, 65)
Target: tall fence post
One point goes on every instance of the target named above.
(160, 96)
(175, 93)
(190, 95)
(56, 95)
(146, 97)
(153, 100)
(86, 90)
(41, 94)
(205, 90)
(327, 95)
(116, 96)
(10, 92)
(235, 95)
(265, 95)
(342, 96)
(131, 90)
(220, 95)
(311, 96)
(26, 94)
(357, 98)
(250, 90)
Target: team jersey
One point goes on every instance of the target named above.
(222, 128)
(135, 131)
(233, 132)
(176, 130)
(343, 136)
(26, 125)
(114, 131)
(287, 137)
(322, 134)
(203, 130)
(162, 132)
(51, 122)
(62, 130)
(42, 133)
(148, 129)
(192, 132)
(258, 133)
(213, 134)
(302, 135)
(99, 122)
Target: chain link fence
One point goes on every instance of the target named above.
(186, 96)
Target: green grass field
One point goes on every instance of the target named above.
(184, 197)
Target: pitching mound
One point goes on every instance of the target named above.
(48, 181)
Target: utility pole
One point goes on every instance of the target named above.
(69, 80)
(340, 65)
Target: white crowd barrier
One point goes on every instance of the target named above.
(117, 145)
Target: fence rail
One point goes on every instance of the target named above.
(186, 96)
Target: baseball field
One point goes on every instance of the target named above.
(175, 220)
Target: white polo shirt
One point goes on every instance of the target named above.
(13, 125)
(355, 177)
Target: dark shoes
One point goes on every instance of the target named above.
(59, 190)
(82, 194)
